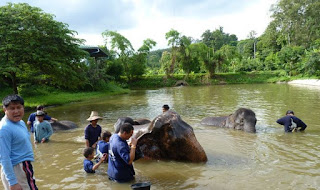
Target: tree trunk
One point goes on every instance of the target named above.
(14, 82)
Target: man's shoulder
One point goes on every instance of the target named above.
(32, 116)
(46, 122)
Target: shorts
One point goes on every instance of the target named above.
(24, 174)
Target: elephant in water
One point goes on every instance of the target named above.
(168, 137)
(243, 119)
(63, 125)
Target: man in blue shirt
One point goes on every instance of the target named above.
(16, 152)
(120, 167)
(32, 118)
(92, 132)
(291, 122)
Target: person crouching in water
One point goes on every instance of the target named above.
(291, 122)
(103, 145)
(42, 128)
(121, 156)
(88, 166)
(165, 108)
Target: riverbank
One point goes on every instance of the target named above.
(57, 97)
(158, 81)
(310, 82)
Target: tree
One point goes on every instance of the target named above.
(217, 38)
(173, 38)
(33, 47)
(165, 62)
(252, 36)
(185, 54)
(297, 21)
(121, 46)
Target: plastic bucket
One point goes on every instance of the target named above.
(141, 186)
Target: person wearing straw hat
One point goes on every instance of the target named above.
(92, 132)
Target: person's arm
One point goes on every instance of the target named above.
(301, 124)
(30, 120)
(87, 143)
(49, 118)
(286, 122)
(133, 149)
(5, 151)
(96, 166)
(86, 136)
(16, 187)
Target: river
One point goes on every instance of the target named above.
(269, 159)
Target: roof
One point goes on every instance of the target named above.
(94, 51)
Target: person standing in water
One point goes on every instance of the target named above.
(92, 132)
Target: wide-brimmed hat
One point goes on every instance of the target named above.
(94, 116)
(40, 113)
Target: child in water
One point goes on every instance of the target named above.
(88, 166)
(42, 128)
(103, 145)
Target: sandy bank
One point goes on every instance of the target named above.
(311, 82)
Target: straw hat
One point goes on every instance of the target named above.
(94, 116)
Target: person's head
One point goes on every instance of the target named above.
(88, 153)
(126, 131)
(106, 136)
(13, 107)
(40, 115)
(165, 108)
(289, 112)
(94, 117)
(40, 107)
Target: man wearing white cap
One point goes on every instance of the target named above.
(92, 132)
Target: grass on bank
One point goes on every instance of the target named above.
(56, 97)
(157, 81)
(47, 96)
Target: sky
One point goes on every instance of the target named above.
(138, 20)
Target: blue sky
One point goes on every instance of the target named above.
(138, 20)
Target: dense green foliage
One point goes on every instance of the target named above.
(290, 43)
(39, 54)
(37, 50)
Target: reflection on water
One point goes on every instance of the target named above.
(269, 159)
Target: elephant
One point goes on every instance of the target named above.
(63, 125)
(168, 137)
(243, 119)
(139, 123)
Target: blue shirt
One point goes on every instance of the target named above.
(92, 134)
(87, 166)
(32, 119)
(15, 147)
(286, 122)
(42, 130)
(102, 147)
(119, 168)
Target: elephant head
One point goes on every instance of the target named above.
(168, 137)
(243, 119)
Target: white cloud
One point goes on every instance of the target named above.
(138, 20)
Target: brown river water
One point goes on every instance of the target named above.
(269, 159)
